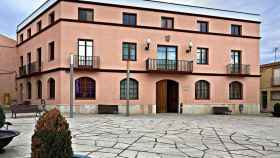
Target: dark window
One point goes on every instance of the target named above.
(51, 18)
(85, 88)
(29, 33)
(85, 52)
(236, 30)
(203, 26)
(235, 90)
(21, 38)
(85, 14)
(51, 51)
(51, 88)
(133, 89)
(167, 23)
(39, 89)
(29, 62)
(129, 51)
(39, 26)
(202, 56)
(167, 58)
(129, 19)
(21, 61)
(29, 90)
(202, 90)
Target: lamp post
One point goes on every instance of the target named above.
(127, 87)
(275, 53)
(71, 85)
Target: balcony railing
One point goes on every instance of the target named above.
(163, 65)
(238, 69)
(30, 69)
(86, 62)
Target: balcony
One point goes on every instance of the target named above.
(238, 69)
(163, 65)
(86, 62)
(30, 69)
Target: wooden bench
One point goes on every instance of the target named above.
(221, 111)
(25, 108)
(108, 109)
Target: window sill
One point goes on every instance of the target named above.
(85, 98)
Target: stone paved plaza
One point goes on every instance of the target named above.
(162, 136)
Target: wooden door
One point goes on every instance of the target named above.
(161, 94)
(172, 97)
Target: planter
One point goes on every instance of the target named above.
(276, 114)
(6, 136)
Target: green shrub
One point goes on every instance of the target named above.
(277, 108)
(52, 137)
(2, 117)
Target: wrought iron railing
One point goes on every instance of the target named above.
(87, 62)
(31, 68)
(238, 69)
(169, 65)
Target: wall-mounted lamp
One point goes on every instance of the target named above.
(148, 43)
(190, 45)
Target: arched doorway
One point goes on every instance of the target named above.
(167, 96)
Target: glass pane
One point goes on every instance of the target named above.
(82, 42)
(89, 51)
(82, 51)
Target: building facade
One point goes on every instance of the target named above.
(8, 67)
(177, 54)
(270, 86)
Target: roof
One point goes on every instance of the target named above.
(270, 64)
(158, 5)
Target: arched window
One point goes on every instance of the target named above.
(202, 90)
(51, 88)
(39, 89)
(133, 89)
(235, 90)
(29, 90)
(85, 88)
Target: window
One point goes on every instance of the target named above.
(51, 18)
(235, 90)
(85, 88)
(39, 26)
(236, 61)
(85, 14)
(29, 33)
(202, 26)
(275, 95)
(129, 19)
(236, 30)
(202, 56)
(276, 76)
(202, 90)
(51, 51)
(29, 90)
(21, 61)
(39, 89)
(21, 38)
(167, 23)
(133, 89)
(51, 88)
(129, 51)
(85, 52)
(167, 58)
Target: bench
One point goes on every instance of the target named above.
(221, 111)
(108, 109)
(25, 108)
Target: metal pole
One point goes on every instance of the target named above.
(127, 88)
(275, 54)
(71, 85)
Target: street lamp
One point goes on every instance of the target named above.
(71, 85)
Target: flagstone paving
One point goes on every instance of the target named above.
(162, 136)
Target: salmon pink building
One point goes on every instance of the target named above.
(177, 55)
